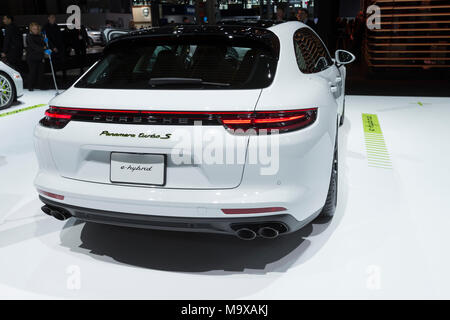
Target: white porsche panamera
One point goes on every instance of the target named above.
(11, 85)
(229, 129)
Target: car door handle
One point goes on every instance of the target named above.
(334, 89)
(338, 79)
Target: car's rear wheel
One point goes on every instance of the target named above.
(7, 91)
(331, 202)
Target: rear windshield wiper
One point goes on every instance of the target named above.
(187, 81)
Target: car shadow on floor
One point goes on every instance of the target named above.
(16, 103)
(188, 251)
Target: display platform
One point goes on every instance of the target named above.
(388, 239)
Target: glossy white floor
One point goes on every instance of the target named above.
(389, 239)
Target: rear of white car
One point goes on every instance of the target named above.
(205, 152)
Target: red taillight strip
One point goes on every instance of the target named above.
(253, 210)
(249, 121)
(268, 120)
(231, 121)
(57, 115)
(274, 120)
(51, 195)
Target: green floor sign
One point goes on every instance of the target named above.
(377, 152)
(370, 123)
(21, 110)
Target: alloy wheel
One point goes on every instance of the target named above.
(6, 91)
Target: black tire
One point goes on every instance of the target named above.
(331, 202)
(12, 98)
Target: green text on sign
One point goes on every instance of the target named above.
(370, 123)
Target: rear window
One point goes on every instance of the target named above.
(184, 63)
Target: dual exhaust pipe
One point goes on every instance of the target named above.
(267, 232)
(58, 214)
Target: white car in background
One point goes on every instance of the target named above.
(11, 85)
(109, 34)
(124, 144)
(94, 36)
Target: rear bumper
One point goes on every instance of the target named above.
(190, 224)
(204, 204)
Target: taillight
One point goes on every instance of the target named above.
(253, 210)
(281, 121)
(237, 122)
(51, 195)
(55, 118)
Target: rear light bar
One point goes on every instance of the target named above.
(51, 195)
(253, 210)
(55, 119)
(244, 122)
(57, 116)
(267, 121)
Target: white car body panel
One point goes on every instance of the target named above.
(75, 148)
(179, 100)
(74, 161)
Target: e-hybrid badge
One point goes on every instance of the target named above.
(145, 169)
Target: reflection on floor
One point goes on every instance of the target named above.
(389, 238)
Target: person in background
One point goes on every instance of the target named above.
(280, 14)
(2, 37)
(358, 34)
(56, 43)
(80, 46)
(36, 50)
(341, 25)
(12, 49)
(131, 25)
(303, 16)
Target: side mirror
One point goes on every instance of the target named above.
(344, 57)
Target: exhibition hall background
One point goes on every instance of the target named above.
(410, 54)
(388, 238)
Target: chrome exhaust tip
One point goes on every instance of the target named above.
(46, 210)
(246, 234)
(58, 214)
(268, 233)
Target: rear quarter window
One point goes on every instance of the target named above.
(311, 54)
